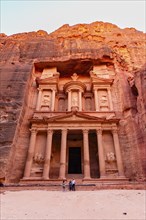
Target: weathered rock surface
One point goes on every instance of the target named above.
(75, 47)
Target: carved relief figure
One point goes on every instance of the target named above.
(110, 157)
(46, 100)
(74, 77)
(38, 158)
(103, 100)
(75, 99)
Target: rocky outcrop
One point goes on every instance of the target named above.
(75, 48)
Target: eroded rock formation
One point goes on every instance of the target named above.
(73, 49)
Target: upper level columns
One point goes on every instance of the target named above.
(69, 100)
(86, 155)
(48, 154)
(63, 154)
(96, 100)
(118, 153)
(30, 153)
(74, 89)
(53, 100)
(80, 101)
(39, 99)
(110, 99)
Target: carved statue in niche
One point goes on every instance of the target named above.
(110, 157)
(75, 99)
(104, 100)
(46, 100)
(111, 166)
(38, 158)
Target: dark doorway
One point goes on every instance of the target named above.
(74, 160)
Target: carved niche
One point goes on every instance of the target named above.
(75, 99)
(103, 100)
(46, 101)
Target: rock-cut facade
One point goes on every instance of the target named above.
(73, 104)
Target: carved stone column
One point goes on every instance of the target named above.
(80, 101)
(96, 100)
(101, 153)
(39, 99)
(63, 154)
(118, 153)
(53, 100)
(30, 153)
(86, 155)
(110, 99)
(69, 100)
(48, 154)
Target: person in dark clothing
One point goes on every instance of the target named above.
(70, 185)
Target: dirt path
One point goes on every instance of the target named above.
(53, 205)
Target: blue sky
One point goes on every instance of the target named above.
(32, 15)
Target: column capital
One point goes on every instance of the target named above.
(85, 131)
(53, 89)
(39, 89)
(49, 131)
(33, 130)
(99, 130)
(114, 130)
(64, 130)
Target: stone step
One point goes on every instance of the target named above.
(79, 180)
(79, 187)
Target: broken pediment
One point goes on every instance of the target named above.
(75, 117)
(49, 79)
(48, 72)
(95, 78)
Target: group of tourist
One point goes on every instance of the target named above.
(71, 185)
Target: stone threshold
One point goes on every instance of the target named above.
(80, 181)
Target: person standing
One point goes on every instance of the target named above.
(73, 184)
(70, 185)
(63, 185)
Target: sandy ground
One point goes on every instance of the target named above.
(52, 205)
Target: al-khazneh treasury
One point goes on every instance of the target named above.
(73, 106)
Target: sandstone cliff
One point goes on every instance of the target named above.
(77, 46)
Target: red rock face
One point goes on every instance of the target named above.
(75, 49)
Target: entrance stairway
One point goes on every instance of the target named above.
(81, 184)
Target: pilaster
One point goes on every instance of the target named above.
(39, 99)
(53, 100)
(118, 153)
(69, 100)
(96, 100)
(110, 99)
